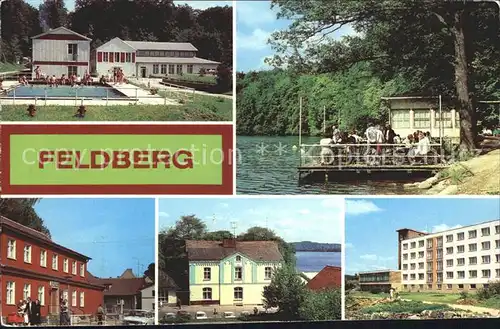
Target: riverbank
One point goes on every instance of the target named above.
(477, 176)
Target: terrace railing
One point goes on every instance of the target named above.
(381, 155)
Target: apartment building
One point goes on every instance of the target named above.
(461, 259)
(380, 281)
(230, 272)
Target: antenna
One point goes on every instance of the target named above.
(233, 226)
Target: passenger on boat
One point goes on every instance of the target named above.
(335, 135)
(389, 135)
(354, 135)
(424, 145)
(326, 154)
(374, 135)
(408, 140)
(397, 139)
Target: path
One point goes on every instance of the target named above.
(156, 83)
(143, 95)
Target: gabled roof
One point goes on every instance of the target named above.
(153, 45)
(128, 274)
(38, 236)
(61, 29)
(166, 282)
(201, 250)
(118, 286)
(329, 277)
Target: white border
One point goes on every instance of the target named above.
(235, 60)
(157, 223)
(342, 260)
(117, 123)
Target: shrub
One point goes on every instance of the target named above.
(202, 72)
(464, 295)
(405, 307)
(492, 291)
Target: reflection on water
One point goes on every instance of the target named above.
(268, 165)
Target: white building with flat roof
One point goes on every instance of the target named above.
(61, 51)
(144, 59)
(465, 258)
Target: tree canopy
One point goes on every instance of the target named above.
(23, 212)
(209, 30)
(425, 47)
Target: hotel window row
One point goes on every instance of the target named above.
(237, 293)
(400, 119)
(172, 69)
(27, 257)
(485, 259)
(115, 57)
(472, 247)
(448, 286)
(473, 274)
(10, 297)
(162, 53)
(238, 273)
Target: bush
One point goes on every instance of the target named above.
(464, 295)
(492, 291)
(405, 307)
(202, 72)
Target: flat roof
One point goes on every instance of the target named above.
(378, 271)
(455, 229)
(174, 60)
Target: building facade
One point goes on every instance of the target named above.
(407, 115)
(32, 265)
(380, 281)
(148, 297)
(167, 294)
(61, 51)
(144, 59)
(461, 259)
(231, 272)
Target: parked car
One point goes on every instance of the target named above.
(169, 316)
(229, 315)
(201, 315)
(139, 317)
(183, 314)
(245, 313)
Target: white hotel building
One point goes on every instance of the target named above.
(460, 259)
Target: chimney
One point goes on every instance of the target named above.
(229, 243)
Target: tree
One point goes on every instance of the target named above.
(150, 272)
(187, 228)
(322, 305)
(430, 41)
(218, 235)
(53, 14)
(286, 292)
(22, 211)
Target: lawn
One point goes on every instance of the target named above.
(199, 108)
(367, 294)
(405, 307)
(447, 298)
(9, 67)
(209, 79)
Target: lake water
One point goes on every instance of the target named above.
(275, 172)
(316, 261)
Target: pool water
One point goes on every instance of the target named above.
(40, 91)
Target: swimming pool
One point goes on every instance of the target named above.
(42, 91)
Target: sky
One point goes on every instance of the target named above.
(116, 233)
(255, 21)
(294, 219)
(70, 4)
(371, 224)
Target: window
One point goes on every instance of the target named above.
(461, 274)
(497, 272)
(429, 266)
(449, 262)
(72, 49)
(11, 249)
(65, 265)
(41, 295)
(449, 275)
(207, 274)
(238, 258)
(473, 286)
(486, 273)
(440, 242)
(497, 258)
(420, 266)
(439, 287)
(72, 70)
(11, 293)
(497, 229)
(413, 266)
(238, 293)
(439, 253)
(238, 273)
(485, 245)
(171, 69)
(440, 277)
(128, 57)
(449, 250)
(472, 274)
(429, 243)
(449, 238)
(413, 276)
(485, 231)
(405, 267)
(460, 249)
(420, 254)
(65, 295)
(176, 54)
(156, 69)
(460, 286)
(82, 270)
(178, 69)
(405, 246)
(440, 266)
(429, 277)
(73, 268)
(460, 236)
(457, 119)
(422, 119)
(190, 68)
(105, 57)
(27, 254)
(82, 299)
(460, 261)
(27, 291)
(163, 68)
(420, 276)
(472, 234)
(207, 293)
(486, 259)
(405, 256)
(268, 273)
(55, 261)
(421, 243)
(117, 57)
(73, 298)
(449, 286)
(413, 255)
(446, 116)
(473, 247)
(43, 258)
(497, 244)
(400, 119)
(472, 260)
(405, 277)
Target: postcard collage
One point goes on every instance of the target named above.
(232, 162)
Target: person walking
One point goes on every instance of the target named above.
(100, 315)
(37, 318)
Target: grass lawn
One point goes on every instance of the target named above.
(200, 108)
(405, 307)
(367, 294)
(9, 67)
(431, 297)
(210, 79)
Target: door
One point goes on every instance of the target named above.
(54, 301)
(73, 51)
(143, 72)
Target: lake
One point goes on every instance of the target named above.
(316, 261)
(268, 172)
